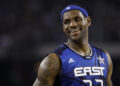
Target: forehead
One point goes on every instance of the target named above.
(72, 14)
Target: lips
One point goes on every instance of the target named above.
(75, 32)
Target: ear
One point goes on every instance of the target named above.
(88, 21)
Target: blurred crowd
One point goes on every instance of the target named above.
(28, 25)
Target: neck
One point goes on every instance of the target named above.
(81, 47)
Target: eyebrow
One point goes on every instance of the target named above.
(77, 17)
(72, 18)
(66, 19)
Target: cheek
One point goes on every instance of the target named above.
(65, 28)
(83, 23)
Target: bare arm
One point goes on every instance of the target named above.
(48, 70)
(110, 69)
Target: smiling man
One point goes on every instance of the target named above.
(76, 62)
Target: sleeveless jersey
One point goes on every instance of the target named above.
(77, 70)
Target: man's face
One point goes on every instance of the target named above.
(75, 25)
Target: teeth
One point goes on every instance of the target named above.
(74, 31)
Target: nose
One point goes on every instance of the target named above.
(73, 24)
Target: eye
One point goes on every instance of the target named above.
(67, 21)
(77, 19)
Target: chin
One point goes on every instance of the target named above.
(76, 38)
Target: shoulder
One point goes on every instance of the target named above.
(107, 55)
(48, 70)
(108, 58)
(51, 57)
(101, 52)
(50, 66)
(98, 50)
(50, 60)
(110, 65)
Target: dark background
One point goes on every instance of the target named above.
(30, 29)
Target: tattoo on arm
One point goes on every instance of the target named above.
(48, 70)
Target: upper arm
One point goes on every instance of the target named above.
(110, 69)
(48, 70)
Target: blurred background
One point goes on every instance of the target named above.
(30, 29)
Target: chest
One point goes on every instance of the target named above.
(79, 66)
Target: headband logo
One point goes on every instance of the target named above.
(67, 8)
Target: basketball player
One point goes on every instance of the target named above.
(76, 62)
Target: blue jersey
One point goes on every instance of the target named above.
(77, 70)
